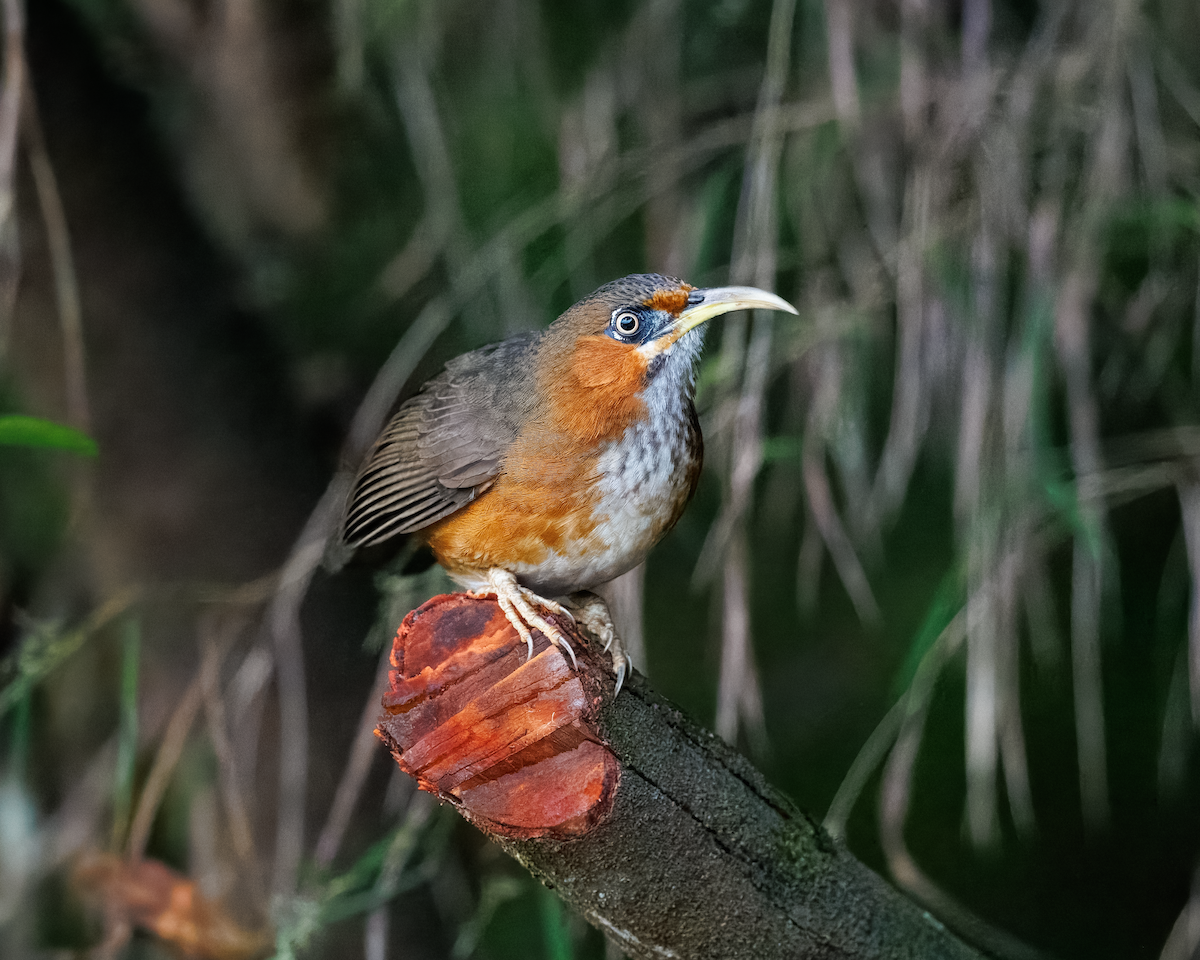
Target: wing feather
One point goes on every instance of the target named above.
(444, 447)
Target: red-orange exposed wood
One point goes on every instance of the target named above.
(512, 741)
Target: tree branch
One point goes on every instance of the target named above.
(659, 833)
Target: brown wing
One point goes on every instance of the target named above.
(444, 446)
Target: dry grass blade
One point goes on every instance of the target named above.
(655, 40)
(418, 106)
(66, 284)
(1071, 338)
(982, 696)
(977, 399)
(283, 625)
(895, 799)
(910, 402)
(170, 749)
(10, 116)
(1175, 739)
(895, 791)
(978, 521)
(736, 649)
(10, 100)
(375, 934)
(215, 638)
(348, 35)
(363, 753)
(174, 738)
(284, 614)
(916, 18)
(587, 145)
(870, 755)
(1152, 147)
(1184, 939)
(809, 564)
(840, 24)
(976, 24)
(1089, 704)
(1010, 730)
(738, 695)
(75, 824)
(825, 517)
(1041, 614)
(1189, 502)
(414, 260)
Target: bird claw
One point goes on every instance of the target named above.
(592, 613)
(619, 669)
(519, 605)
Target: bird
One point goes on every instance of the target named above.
(546, 465)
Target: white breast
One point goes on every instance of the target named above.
(644, 483)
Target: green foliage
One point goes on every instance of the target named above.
(46, 645)
(946, 603)
(378, 876)
(32, 505)
(33, 508)
(554, 927)
(43, 649)
(22, 431)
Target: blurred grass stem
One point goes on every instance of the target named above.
(127, 730)
(11, 97)
(1189, 503)
(62, 261)
(283, 617)
(895, 799)
(739, 698)
(1071, 338)
(363, 753)
(215, 638)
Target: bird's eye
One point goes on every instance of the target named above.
(627, 324)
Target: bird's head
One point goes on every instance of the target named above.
(598, 359)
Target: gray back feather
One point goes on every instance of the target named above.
(445, 445)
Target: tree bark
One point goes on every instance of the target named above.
(660, 834)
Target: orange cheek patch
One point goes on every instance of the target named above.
(511, 742)
(600, 362)
(599, 393)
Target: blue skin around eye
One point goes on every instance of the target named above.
(651, 325)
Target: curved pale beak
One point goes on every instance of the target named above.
(716, 301)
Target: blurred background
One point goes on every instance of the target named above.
(941, 578)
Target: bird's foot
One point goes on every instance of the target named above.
(591, 612)
(520, 606)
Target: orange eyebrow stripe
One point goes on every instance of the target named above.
(672, 301)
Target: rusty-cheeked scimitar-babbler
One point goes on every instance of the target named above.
(552, 462)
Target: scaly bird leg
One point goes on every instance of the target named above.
(520, 606)
(591, 612)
